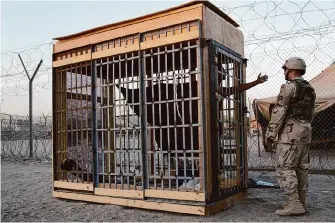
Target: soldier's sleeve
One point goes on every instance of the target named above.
(280, 109)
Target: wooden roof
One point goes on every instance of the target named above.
(124, 22)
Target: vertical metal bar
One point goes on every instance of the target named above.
(174, 112)
(114, 121)
(222, 119)
(81, 122)
(108, 122)
(229, 118)
(153, 116)
(160, 119)
(102, 152)
(127, 117)
(71, 111)
(134, 130)
(190, 106)
(94, 123)
(120, 115)
(226, 109)
(76, 117)
(142, 75)
(87, 117)
(242, 148)
(168, 117)
(182, 77)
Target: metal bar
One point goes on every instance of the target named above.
(142, 66)
(190, 106)
(134, 130)
(71, 115)
(183, 105)
(87, 109)
(114, 121)
(81, 122)
(108, 123)
(94, 124)
(102, 95)
(121, 138)
(167, 112)
(160, 121)
(76, 118)
(174, 114)
(127, 131)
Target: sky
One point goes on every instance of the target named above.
(26, 24)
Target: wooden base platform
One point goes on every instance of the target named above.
(151, 205)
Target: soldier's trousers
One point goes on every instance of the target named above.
(292, 167)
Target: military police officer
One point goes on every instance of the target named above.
(289, 131)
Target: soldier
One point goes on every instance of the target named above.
(290, 130)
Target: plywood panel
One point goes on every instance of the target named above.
(207, 124)
(175, 195)
(119, 193)
(169, 40)
(215, 27)
(72, 60)
(73, 186)
(175, 17)
(187, 209)
(115, 51)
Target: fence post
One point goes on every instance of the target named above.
(31, 149)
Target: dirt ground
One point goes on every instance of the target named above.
(26, 196)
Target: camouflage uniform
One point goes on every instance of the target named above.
(290, 129)
(292, 137)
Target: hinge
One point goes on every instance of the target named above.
(245, 61)
(203, 42)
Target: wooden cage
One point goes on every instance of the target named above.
(137, 119)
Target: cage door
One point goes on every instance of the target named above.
(228, 116)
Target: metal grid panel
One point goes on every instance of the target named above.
(172, 96)
(73, 114)
(229, 122)
(119, 159)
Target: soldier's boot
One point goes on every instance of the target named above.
(285, 204)
(294, 206)
(302, 198)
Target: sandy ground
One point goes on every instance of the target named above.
(26, 196)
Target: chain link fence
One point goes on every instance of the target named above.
(15, 137)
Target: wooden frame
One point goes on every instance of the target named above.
(73, 185)
(85, 47)
(202, 210)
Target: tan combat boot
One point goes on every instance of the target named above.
(294, 206)
(302, 198)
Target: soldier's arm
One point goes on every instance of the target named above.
(279, 110)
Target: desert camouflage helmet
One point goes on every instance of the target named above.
(295, 63)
